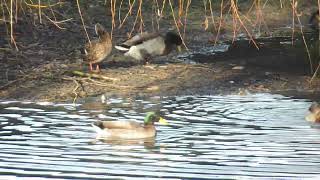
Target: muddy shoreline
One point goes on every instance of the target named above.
(169, 79)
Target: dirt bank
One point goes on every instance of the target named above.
(223, 77)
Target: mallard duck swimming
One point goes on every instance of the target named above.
(315, 20)
(99, 48)
(314, 113)
(146, 45)
(129, 129)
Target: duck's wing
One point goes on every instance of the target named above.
(97, 51)
(140, 38)
(116, 124)
(136, 40)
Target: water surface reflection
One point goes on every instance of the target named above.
(209, 137)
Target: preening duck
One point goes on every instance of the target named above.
(145, 45)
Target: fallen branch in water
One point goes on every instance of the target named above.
(97, 76)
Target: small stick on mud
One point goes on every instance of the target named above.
(97, 76)
(98, 83)
(9, 84)
(75, 91)
(315, 73)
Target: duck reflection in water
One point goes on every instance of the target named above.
(148, 143)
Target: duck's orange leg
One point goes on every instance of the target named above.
(97, 68)
(90, 65)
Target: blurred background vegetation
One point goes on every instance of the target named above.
(137, 13)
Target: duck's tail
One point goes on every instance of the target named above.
(98, 126)
(122, 47)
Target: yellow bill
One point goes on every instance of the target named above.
(163, 121)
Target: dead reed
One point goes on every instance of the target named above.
(214, 13)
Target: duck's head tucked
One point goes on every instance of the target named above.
(103, 35)
(153, 117)
(172, 38)
(314, 113)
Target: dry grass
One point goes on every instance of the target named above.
(176, 10)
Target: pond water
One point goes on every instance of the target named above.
(208, 137)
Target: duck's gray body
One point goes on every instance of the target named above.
(146, 45)
(123, 130)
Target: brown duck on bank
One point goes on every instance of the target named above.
(129, 129)
(99, 49)
(314, 113)
(145, 45)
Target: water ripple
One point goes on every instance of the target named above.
(209, 137)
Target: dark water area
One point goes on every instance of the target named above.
(208, 137)
(285, 53)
